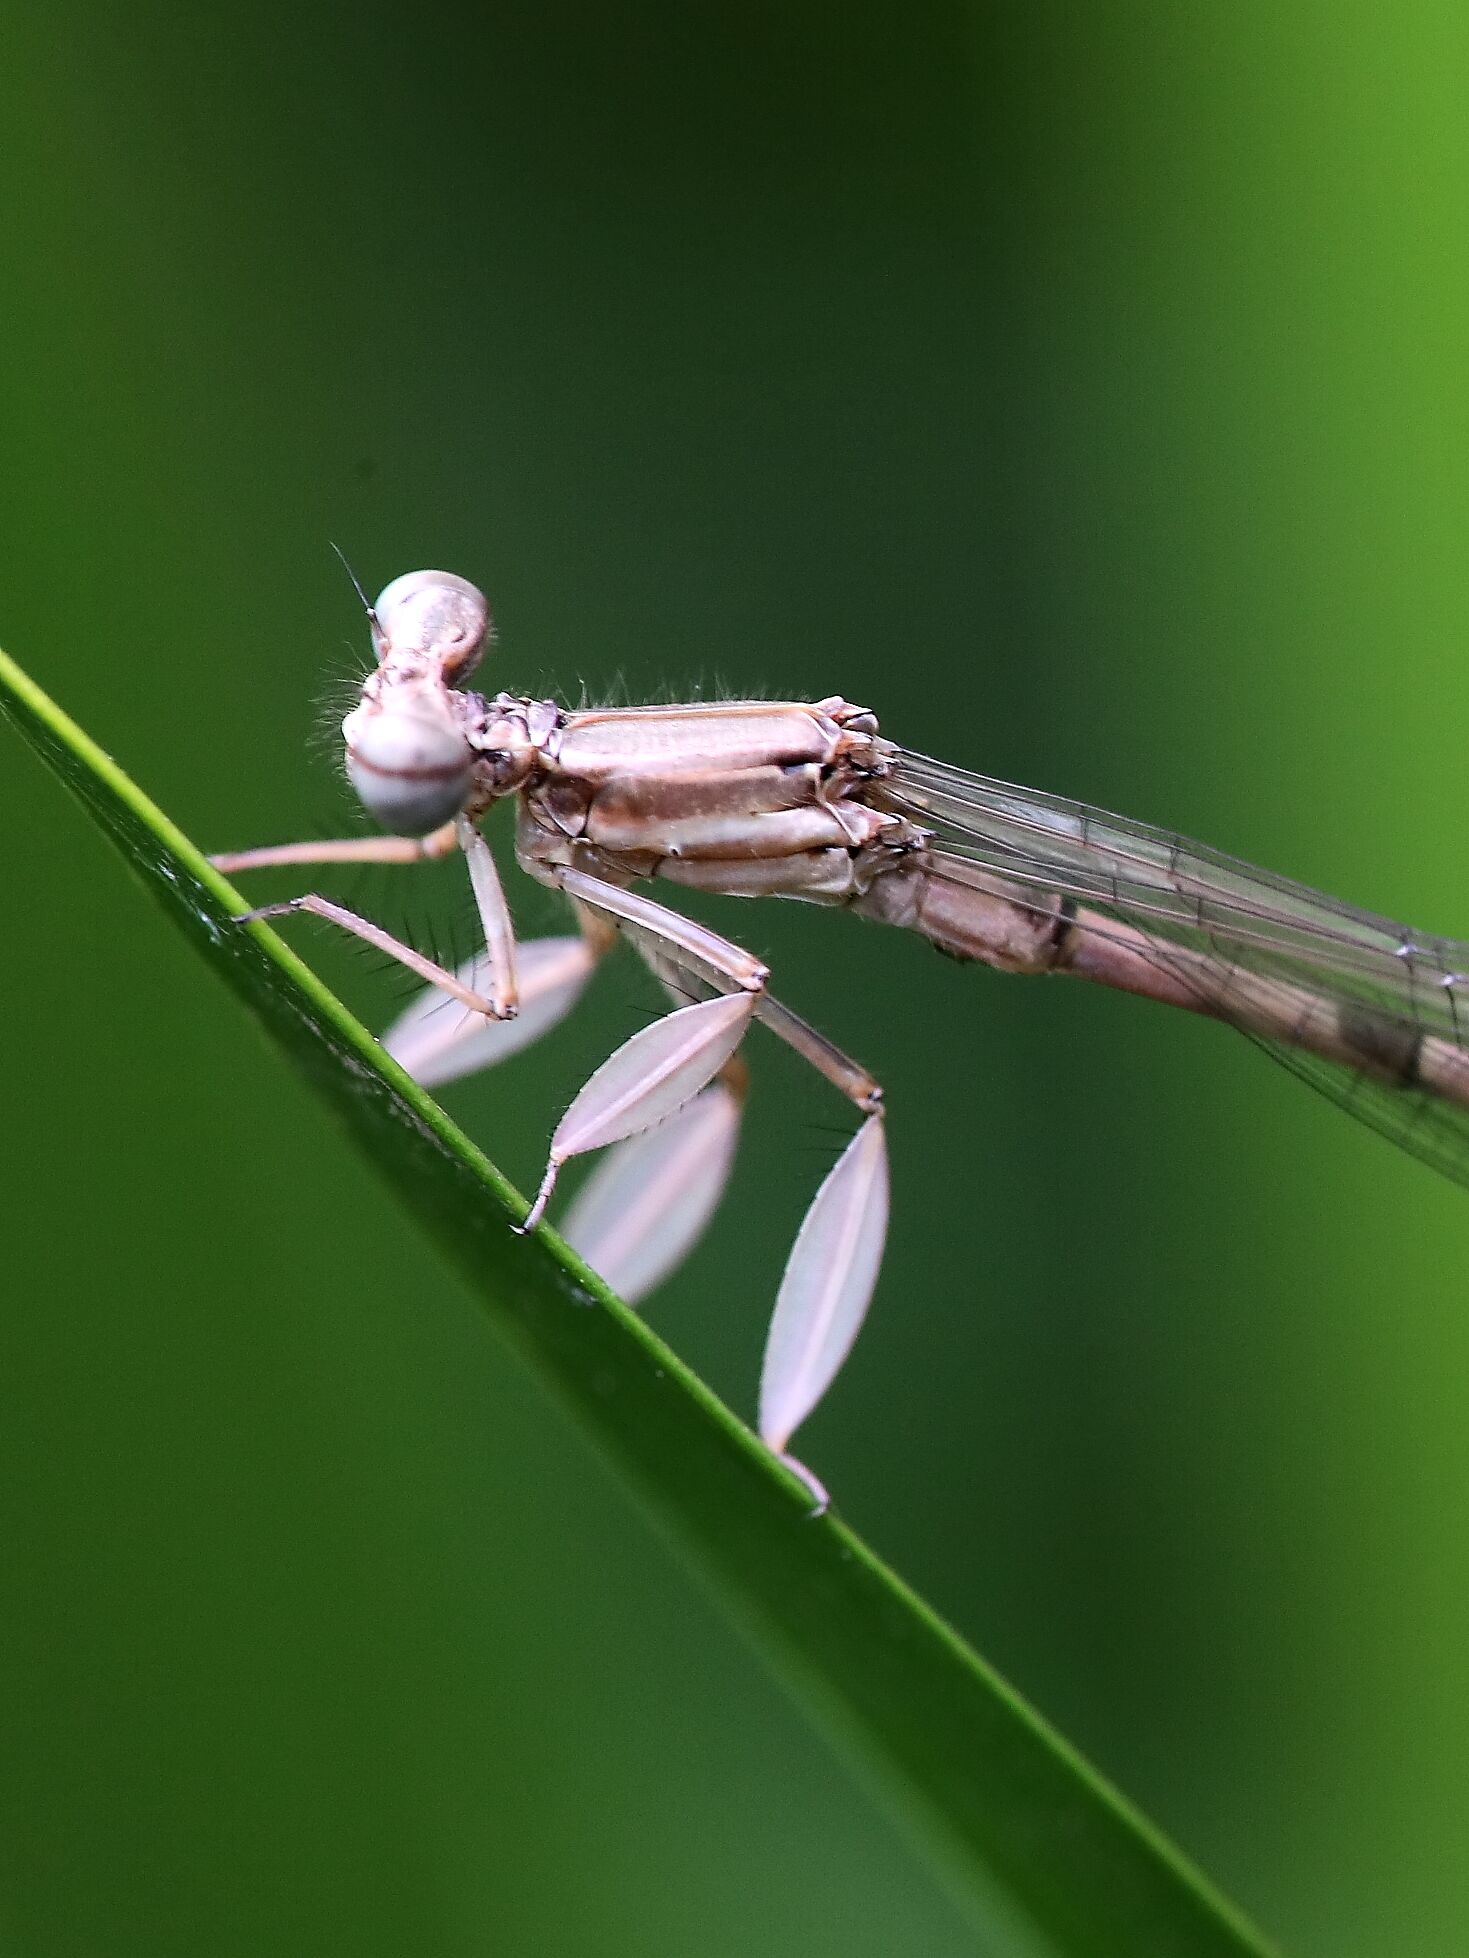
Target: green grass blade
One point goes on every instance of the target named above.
(1045, 1853)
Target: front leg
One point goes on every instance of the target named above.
(442, 842)
(502, 1002)
(382, 941)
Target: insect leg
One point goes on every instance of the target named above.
(347, 849)
(649, 1201)
(382, 941)
(499, 1001)
(437, 1046)
(832, 1270)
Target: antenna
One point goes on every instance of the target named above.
(356, 584)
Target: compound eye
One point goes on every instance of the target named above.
(411, 767)
(437, 614)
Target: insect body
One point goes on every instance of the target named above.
(809, 800)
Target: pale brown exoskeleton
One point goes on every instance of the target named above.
(809, 800)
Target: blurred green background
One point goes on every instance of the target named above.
(1083, 387)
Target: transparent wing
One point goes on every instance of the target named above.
(1209, 918)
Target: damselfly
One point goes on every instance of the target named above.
(809, 800)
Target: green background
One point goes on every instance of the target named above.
(1083, 388)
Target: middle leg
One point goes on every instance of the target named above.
(832, 1270)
